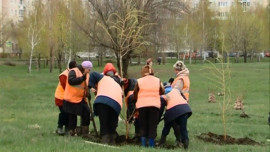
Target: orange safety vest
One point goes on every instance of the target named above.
(76, 93)
(59, 92)
(174, 98)
(109, 88)
(186, 86)
(148, 95)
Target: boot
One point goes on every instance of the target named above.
(112, 138)
(105, 139)
(186, 142)
(143, 140)
(72, 132)
(79, 130)
(60, 131)
(136, 138)
(162, 141)
(151, 142)
(85, 133)
(178, 141)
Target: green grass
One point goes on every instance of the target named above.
(28, 99)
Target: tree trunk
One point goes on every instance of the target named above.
(139, 60)
(30, 60)
(258, 58)
(60, 61)
(51, 59)
(38, 63)
(20, 53)
(125, 62)
(163, 59)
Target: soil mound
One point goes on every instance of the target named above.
(219, 139)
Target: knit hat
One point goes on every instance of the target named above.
(179, 65)
(87, 65)
(147, 70)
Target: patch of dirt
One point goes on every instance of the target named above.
(9, 63)
(219, 139)
(121, 140)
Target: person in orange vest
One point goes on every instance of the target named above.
(75, 102)
(107, 104)
(59, 96)
(147, 96)
(181, 82)
(177, 111)
(110, 70)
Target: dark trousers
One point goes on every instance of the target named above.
(62, 118)
(85, 116)
(182, 123)
(108, 119)
(148, 118)
(176, 128)
(137, 126)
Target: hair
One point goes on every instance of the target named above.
(147, 70)
(171, 80)
(72, 64)
(179, 65)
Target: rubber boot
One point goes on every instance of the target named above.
(66, 130)
(178, 142)
(136, 138)
(72, 132)
(151, 142)
(60, 131)
(79, 130)
(105, 139)
(143, 140)
(112, 138)
(85, 133)
(162, 141)
(185, 143)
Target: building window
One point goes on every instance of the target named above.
(21, 2)
(21, 12)
(222, 4)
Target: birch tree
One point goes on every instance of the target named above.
(35, 25)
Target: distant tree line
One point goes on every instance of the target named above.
(57, 29)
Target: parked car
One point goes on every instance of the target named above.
(267, 54)
(232, 54)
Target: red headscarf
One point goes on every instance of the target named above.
(109, 67)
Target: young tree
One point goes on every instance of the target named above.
(33, 25)
(221, 81)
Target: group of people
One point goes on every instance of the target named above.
(145, 98)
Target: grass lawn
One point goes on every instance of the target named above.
(29, 117)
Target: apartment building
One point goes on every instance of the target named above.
(222, 7)
(12, 10)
